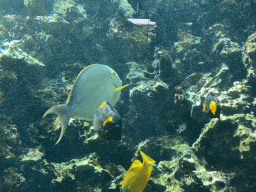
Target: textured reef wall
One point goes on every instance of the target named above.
(194, 47)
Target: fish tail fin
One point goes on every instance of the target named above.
(147, 159)
(119, 88)
(62, 112)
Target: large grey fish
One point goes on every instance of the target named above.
(93, 85)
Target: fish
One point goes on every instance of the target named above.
(211, 106)
(108, 122)
(141, 21)
(189, 24)
(94, 84)
(138, 174)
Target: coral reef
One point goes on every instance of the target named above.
(250, 49)
(191, 48)
(125, 7)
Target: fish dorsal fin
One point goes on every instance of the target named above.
(70, 93)
(136, 164)
(147, 159)
(119, 88)
(213, 107)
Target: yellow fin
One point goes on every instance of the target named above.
(102, 104)
(138, 175)
(132, 173)
(204, 106)
(136, 163)
(113, 73)
(119, 88)
(213, 107)
(147, 159)
(107, 120)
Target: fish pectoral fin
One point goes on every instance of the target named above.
(102, 104)
(119, 88)
(107, 120)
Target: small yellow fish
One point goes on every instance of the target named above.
(138, 175)
(211, 106)
(93, 85)
(108, 122)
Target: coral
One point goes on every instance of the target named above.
(250, 49)
(125, 7)
(139, 72)
(27, 2)
(33, 154)
(12, 49)
(88, 165)
(14, 179)
(9, 140)
(194, 47)
(229, 49)
(138, 37)
(186, 42)
(181, 128)
(63, 7)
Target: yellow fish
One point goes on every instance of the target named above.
(138, 175)
(211, 106)
(93, 85)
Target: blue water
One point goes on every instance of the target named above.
(195, 47)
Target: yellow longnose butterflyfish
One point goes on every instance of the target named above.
(138, 175)
(211, 106)
(93, 85)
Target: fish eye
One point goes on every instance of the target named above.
(74, 106)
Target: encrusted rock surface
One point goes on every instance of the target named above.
(196, 47)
